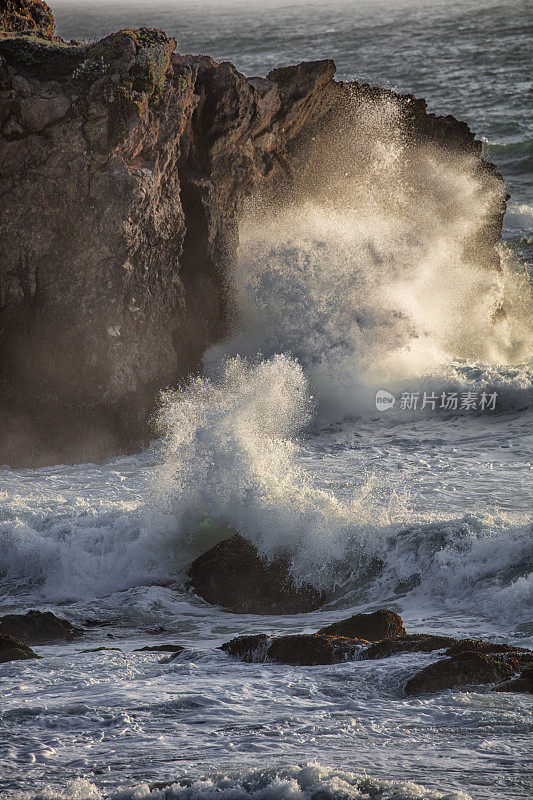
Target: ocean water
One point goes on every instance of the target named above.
(357, 291)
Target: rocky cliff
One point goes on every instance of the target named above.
(25, 15)
(123, 171)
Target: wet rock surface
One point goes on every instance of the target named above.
(410, 643)
(520, 683)
(382, 624)
(520, 654)
(463, 669)
(467, 662)
(232, 575)
(305, 649)
(38, 627)
(12, 649)
(426, 643)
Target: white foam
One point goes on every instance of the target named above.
(284, 783)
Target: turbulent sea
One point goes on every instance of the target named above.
(282, 441)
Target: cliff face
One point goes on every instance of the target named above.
(123, 170)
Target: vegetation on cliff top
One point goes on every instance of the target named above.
(26, 15)
(150, 49)
(36, 53)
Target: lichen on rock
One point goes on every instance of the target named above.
(26, 15)
(382, 624)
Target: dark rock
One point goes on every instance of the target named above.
(13, 650)
(233, 576)
(522, 683)
(309, 649)
(26, 15)
(160, 648)
(410, 643)
(520, 654)
(252, 648)
(427, 642)
(463, 669)
(305, 649)
(383, 624)
(124, 168)
(38, 627)
(99, 649)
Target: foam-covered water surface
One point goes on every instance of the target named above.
(437, 502)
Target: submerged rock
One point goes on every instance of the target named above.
(13, 650)
(160, 648)
(463, 669)
(38, 627)
(232, 575)
(382, 624)
(26, 15)
(304, 649)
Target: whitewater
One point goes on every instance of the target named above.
(367, 286)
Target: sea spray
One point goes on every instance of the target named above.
(375, 274)
(372, 279)
(381, 274)
(229, 454)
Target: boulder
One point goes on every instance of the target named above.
(464, 669)
(26, 15)
(38, 627)
(383, 624)
(233, 575)
(304, 649)
(13, 650)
